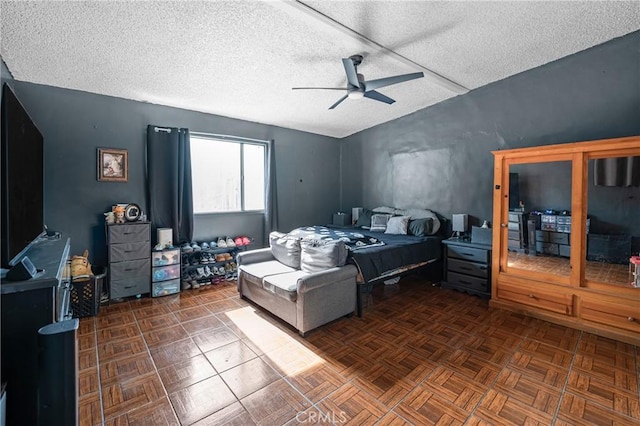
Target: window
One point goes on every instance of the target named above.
(228, 176)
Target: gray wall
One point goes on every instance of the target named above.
(440, 158)
(437, 158)
(75, 123)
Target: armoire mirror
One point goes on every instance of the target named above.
(613, 207)
(544, 193)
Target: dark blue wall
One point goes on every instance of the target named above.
(75, 124)
(437, 158)
(440, 157)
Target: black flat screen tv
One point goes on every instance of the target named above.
(22, 179)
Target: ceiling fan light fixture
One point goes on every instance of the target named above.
(356, 94)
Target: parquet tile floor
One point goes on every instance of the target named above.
(420, 355)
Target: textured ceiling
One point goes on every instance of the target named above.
(241, 58)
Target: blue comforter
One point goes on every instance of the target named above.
(377, 253)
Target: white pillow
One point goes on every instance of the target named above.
(397, 225)
(379, 222)
(424, 214)
(386, 210)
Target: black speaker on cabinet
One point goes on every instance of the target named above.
(531, 234)
(514, 191)
(57, 374)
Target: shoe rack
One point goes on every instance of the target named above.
(210, 263)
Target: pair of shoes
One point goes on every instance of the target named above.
(186, 282)
(205, 258)
(193, 279)
(223, 257)
(209, 272)
(242, 241)
(217, 280)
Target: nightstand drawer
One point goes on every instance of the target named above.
(473, 283)
(470, 268)
(514, 235)
(514, 244)
(514, 226)
(468, 253)
(514, 217)
(128, 251)
(128, 233)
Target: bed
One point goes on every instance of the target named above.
(379, 256)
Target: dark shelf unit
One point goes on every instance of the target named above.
(467, 267)
(28, 306)
(129, 247)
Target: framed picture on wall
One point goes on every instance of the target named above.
(113, 165)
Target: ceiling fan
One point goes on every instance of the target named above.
(358, 87)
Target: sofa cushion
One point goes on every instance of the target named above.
(318, 255)
(263, 269)
(285, 249)
(284, 285)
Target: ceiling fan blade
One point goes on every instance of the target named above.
(372, 94)
(339, 101)
(318, 88)
(388, 81)
(350, 69)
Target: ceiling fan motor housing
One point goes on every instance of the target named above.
(356, 59)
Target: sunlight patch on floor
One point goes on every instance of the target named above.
(287, 354)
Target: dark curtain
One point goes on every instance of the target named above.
(271, 199)
(169, 181)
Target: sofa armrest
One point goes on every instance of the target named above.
(254, 256)
(328, 276)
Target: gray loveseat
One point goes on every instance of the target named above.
(307, 296)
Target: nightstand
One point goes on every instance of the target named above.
(467, 267)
